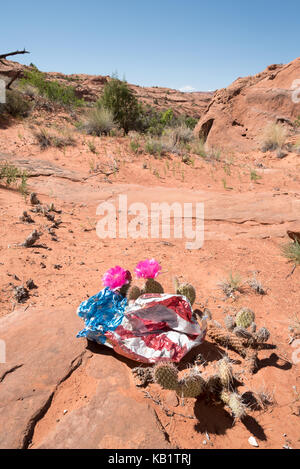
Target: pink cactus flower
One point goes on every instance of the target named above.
(147, 269)
(116, 277)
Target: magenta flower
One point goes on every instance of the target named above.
(116, 277)
(147, 269)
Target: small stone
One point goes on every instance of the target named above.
(65, 411)
(204, 442)
(172, 399)
(30, 284)
(252, 441)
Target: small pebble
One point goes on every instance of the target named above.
(65, 411)
(253, 441)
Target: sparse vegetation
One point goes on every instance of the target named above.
(135, 145)
(46, 139)
(53, 90)
(254, 176)
(154, 147)
(199, 148)
(92, 147)
(10, 174)
(274, 137)
(231, 285)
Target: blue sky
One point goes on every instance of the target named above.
(203, 45)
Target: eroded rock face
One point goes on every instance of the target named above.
(237, 115)
(57, 394)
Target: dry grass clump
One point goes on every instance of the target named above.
(99, 121)
(274, 137)
(292, 252)
(231, 285)
(46, 139)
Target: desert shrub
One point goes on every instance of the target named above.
(167, 118)
(297, 146)
(10, 174)
(135, 145)
(16, 105)
(214, 154)
(154, 146)
(199, 148)
(99, 121)
(53, 90)
(120, 100)
(254, 176)
(297, 122)
(190, 122)
(46, 139)
(292, 252)
(274, 137)
(180, 134)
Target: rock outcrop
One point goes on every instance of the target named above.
(237, 115)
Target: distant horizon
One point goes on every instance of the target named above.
(188, 46)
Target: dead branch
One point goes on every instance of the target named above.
(9, 54)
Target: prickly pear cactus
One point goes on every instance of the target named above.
(166, 374)
(152, 286)
(243, 333)
(187, 290)
(263, 334)
(225, 372)
(229, 322)
(192, 384)
(234, 402)
(133, 293)
(244, 318)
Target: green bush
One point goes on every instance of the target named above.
(118, 98)
(53, 90)
(16, 105)
(190, 122)
(154, 147)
